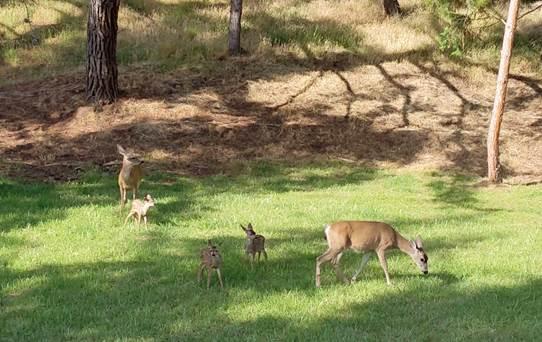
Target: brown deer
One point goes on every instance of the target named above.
(140, 208)
(365, 237)
(130, 174)
(255, 243)
(210, 261)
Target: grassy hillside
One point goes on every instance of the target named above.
(70, 270)
(172, 33)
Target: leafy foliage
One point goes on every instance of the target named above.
(458, 18)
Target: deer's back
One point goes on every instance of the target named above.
(360, 235)
(137, 205)
(255, 244)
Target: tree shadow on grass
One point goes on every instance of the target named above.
(154, 293)
(177, 198)
(428, 312)
(454, 191)
(29, 205)
(156, 296)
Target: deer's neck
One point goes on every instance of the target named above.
(403, 244)
(146, 208)
(126, 170)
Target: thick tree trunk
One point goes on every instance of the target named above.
(234, 35)
(102, 84)
(391, 7)
(493, 164)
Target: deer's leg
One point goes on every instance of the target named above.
(128, 217)
(134, 193)
(220, 278)
(138, 219)
(364, 261)
(382, 257)
(200, 271)
(338, 272)
(265, 254)
(259, 254)
(252, 257)
(209, 274)
(322, 259)
(123, 199)
(145, 220)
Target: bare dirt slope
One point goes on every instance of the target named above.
(390, 114)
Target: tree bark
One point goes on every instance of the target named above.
(391, 7)
(234, 34)
(493, 163)
(102, 75)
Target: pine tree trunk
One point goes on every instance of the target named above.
(234, 35)
(102, 84)
(493, 163)
(391, 7)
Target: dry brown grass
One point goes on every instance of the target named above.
(174, 33)
(323, 80)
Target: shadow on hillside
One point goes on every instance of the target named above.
(201, 145)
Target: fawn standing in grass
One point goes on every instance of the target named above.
(210, 261)
(140, 208)
(365, 237)
(255, 244)
(130, 174)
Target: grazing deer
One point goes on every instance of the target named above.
(210, 261)
(255, 244)
(130, 174)
(140, 208)
(364, 237)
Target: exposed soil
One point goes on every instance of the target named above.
(391, 114)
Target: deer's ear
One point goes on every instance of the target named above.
(243, 228)
(209, 243)
(121, 150)
(249, 226)
(412, 244)
(418, 242)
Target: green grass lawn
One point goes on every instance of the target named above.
(70, 270)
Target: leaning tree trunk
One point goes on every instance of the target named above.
(234, 34)
(391, 7)
(493, 164)
(102, 84)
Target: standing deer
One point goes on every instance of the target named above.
(210, 261)
(130, 174)
(255, 243)
(140, 208)
(364, 237)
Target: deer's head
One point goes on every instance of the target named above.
(249, 230)
(130, 158)
(418, 255)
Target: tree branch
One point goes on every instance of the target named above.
(495, 15)
(530, 11)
